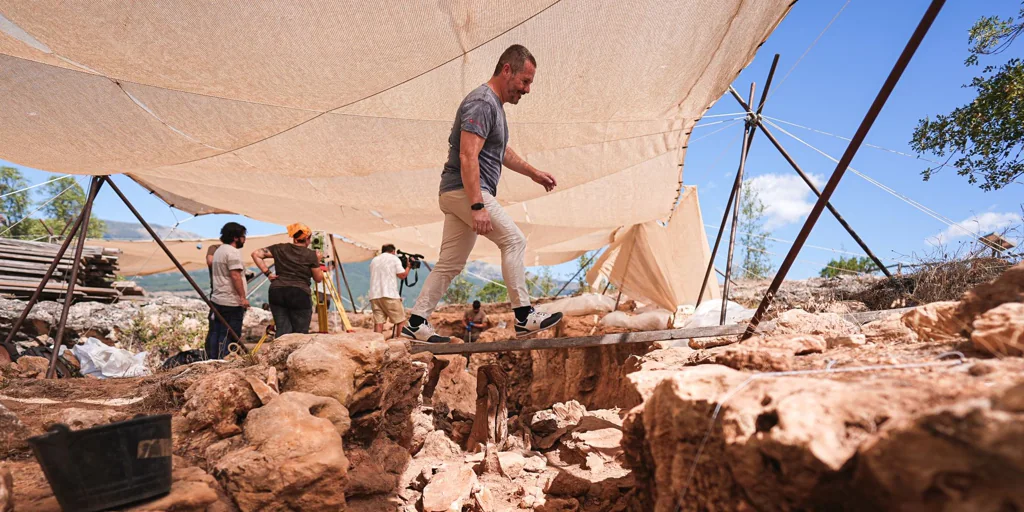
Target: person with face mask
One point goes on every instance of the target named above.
(477, 150)
(294, 265)
(227, 275)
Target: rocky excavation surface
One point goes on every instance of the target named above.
(922, 410)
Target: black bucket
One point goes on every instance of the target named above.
(107, 466)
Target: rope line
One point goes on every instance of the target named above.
(40, 207)
(30, 187)
(808, 50)
(960, 359)
(915, 157)
(926, 210)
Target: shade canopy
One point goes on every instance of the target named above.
(337, 114)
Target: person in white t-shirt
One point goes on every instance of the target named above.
(384, 297)
(229, 290)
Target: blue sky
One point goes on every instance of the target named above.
(829, 90)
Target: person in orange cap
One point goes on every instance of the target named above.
(294, 265)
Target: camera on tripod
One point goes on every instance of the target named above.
(410, 260)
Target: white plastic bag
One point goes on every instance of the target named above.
(709, 313)
(649, 321)
(586, 304)
(103, 361)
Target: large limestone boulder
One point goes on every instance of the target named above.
(963, 457)
(780, 443)
(375, 379)
(1008, 287)
(937, 321)
(293, 457)
(219, 401)
(1000, 330)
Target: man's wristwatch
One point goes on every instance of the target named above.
(476, 206)
(266, 273)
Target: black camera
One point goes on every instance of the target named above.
(412, 261)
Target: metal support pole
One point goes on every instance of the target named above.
(156, 238)
(76, 262)
(562, 289)
(341, 267)
(748, 138)
(807, 180)
(844, 162)
(42, 284)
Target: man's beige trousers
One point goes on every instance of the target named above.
(458, 241)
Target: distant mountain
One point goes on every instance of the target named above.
(358, 275)
(117, 230)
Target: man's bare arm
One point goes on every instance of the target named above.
(470, 145)
(238, 283)
(258, 256)
(518, 164)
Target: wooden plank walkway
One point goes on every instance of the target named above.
(622, 338)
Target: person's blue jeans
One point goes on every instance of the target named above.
(218, 338)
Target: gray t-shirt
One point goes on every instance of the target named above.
(480, 113)
(226, 259)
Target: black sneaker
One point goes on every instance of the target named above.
(537, 321)
(424, 333)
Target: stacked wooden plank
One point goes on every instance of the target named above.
(23, 264)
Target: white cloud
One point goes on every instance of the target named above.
(983, 224)
(787, 199)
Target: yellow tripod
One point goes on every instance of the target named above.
(321, 307)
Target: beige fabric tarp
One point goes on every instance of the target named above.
(337, 114)
(663, 265)
(144, 257)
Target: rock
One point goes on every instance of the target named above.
(1012, 400)
(262, 389)
(32, 367)
(373, 378)
(961, 457)
(512, 464)
(449, 489)
(548, 426)
(456, 389)
(888, 330)
(559, 505)
(437, 445)
(778, 442)
(13, 433)
(219, 400)
(483, 500)
(594, 376)
(797, 321)
(1008, 287)
(192, 489)
(798, 345)
(6, 490)
(1000, 330)
(293, 458)
(752, 357)
(376, 470)
(535, 464)
(422, 426)
(935, 322)
(78, 419)
(850, 340)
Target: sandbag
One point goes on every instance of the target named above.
(103, 361)
(586, 304)
(649, 321)
(709, 313)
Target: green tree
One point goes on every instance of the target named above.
(541, 284)
(68, 203)
(585, 262)
(753, 235)
(493, 292)
(459, 291)
(13, 207)
(850, 265)
(986, 136)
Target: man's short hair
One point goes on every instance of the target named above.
(515, 56)
(387, 248)
(476, 304)
(231, 231)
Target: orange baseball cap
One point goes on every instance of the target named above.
(299, 230)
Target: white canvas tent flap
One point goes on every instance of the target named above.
(337, 114)
(662, 265)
